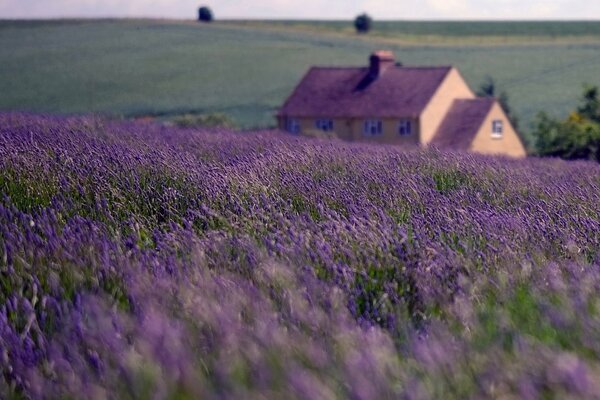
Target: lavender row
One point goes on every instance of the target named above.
(143, 261)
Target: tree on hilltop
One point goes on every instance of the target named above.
(488, 88)
(205, 14)
(363, 23)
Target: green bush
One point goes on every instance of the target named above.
(577, 137)
(574, 138)
(215, 120)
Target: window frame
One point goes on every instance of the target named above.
(406, 126)
(497, 129)
(324, 124)
(293, 126)
(368, 126)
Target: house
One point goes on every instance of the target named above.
(394, 104)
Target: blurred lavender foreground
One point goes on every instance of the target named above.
(138, 261)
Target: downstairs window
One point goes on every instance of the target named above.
(373, 127)
(293, 126)
(325, 125)
(405, 127)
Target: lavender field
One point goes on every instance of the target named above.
(144, 262)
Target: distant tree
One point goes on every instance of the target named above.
(363, 23)
(205, 14)
(590, 104)
(488, 88)
(577, 137)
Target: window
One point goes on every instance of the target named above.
(497, 128)
(293, 126)
(405, 127)
(373, 127)
(325, 125)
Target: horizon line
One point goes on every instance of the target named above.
(290, 19)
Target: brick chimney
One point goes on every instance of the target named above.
(380, 61)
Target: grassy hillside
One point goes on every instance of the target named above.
(138, 261)
(453, 32)
(135, 68)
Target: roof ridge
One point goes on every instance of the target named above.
(337, 67)
(395, 66)
(426, 66)
(479, 98)
(351, 91)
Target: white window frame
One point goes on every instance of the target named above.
(293, 126)
(497, 129)
(405, 127)
(373, 127)
(324, 124)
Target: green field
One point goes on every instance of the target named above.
(452, 32)
(137, 68)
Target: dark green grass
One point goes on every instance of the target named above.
(135, 68)
(460, 29)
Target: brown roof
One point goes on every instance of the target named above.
(355, 92)
(462, 122)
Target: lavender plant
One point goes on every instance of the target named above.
(142, 261)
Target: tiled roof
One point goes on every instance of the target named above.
(355, 92)
(461, 124)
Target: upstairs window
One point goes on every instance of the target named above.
(405, 127)
(293, 126)
(373, 127)
(325, 125)
(497, 129)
